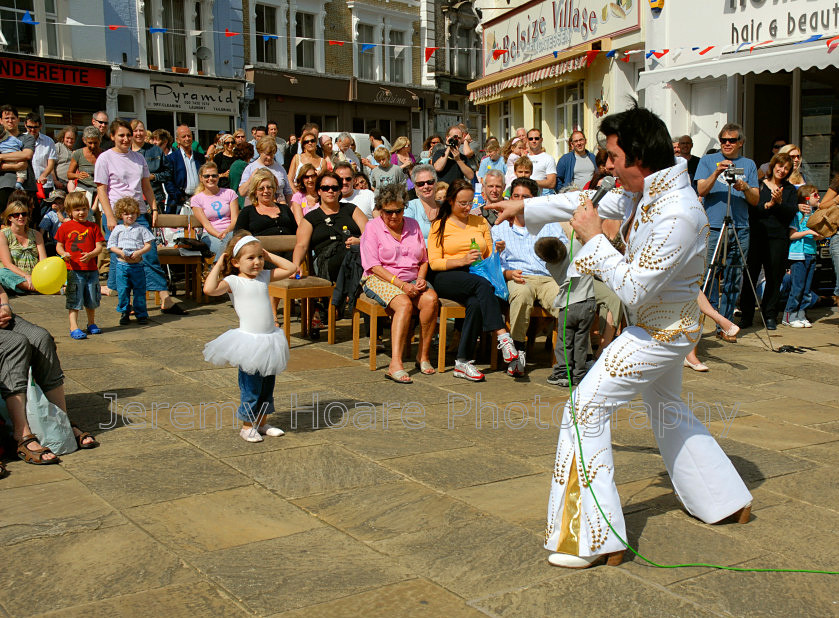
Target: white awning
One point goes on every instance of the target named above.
(772, 59)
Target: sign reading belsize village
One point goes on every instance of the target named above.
(539, 28)
(171, 96)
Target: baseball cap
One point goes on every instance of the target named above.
(56, 194)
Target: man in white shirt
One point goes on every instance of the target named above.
(362, 198)
(185, 165)
(544, 166)
(43, 160)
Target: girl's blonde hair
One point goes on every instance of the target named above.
(199, 188)
(523, 163)
(795, 177)
(75, 199)
(13, 208)
(259, 176)
(399, 144)
(123, 205)
(228, 268)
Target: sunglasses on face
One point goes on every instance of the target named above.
(347, 180)
(310, 176)
(306, 142)
(398, 211)
(534, 139)
(32, 127)
(18, 214)
(331, 188)
(423, 183)
(729, 140)
(776, 146)
(228, 142)
(209, 176)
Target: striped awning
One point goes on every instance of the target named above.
(554, 70)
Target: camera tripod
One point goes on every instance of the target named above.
(720, 256)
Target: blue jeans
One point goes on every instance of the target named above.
(834, 255)
(724, 300)
(130, 278)
(257, 393)
(216, 245)
(801, 272)
(155, 277)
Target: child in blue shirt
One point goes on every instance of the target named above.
(802, 256)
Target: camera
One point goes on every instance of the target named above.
(731, 173)
(453, 142)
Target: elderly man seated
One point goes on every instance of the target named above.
(528, 278)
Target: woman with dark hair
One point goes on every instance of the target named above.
(306, 198)
(777, 144)
(450, 253)
(242, 153)
(360, 181)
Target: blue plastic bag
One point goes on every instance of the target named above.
(490, 269)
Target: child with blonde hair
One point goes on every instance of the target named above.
(128, 242)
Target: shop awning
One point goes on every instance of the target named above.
(782, 58)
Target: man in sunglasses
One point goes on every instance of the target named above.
(364, 199)
(711, 185)
(544, 166)
(577, 166)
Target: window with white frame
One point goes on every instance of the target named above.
(24, 38)
(305, 42)
(570, 107)
(505, 120)
(366, 57)
(174, 39)
(397, 54)
(174, 49)
(202, 66)
(462, 56)
(266, 25)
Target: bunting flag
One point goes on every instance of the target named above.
(27, 19)
(366, 46)
(229, 34)
(72, 22)
(591, 55)
(759, 44)
(815, 37)
(497, 53)
(625, 58)
(660, 54)
(650, 54)
(157, 30)
(338, 43)
(706, 50)
(429, 51)
(116, 26)
(556, 54)
(397, 50)
(832, 44)
(196, 32)
(269, 37)
(611, 53)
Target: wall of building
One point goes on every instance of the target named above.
(229, 52)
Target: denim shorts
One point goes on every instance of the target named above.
(83, 289)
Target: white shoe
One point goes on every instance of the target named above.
(806, 323)
(467, 371)
(249, 434)
(797, 324)
(701, 367)
(270, 431)
(516, 367)
(579, 562)
(508, 350)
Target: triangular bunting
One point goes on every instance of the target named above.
(157, 30)
(196, 32)
(229, 33)
(269, 37)
(556, 54)
(338, 43)
(115, 26)
(429, 51)
(591, 55)
(366, 46)
(611, 53)
(72, 22)
(649, 54)
(497, 53)
(397, 50)
(832, 44)
(27, 19)
(705, 51)
(660, 54)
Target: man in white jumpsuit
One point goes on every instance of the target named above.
(658, 279)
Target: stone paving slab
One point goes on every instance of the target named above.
(427, 514)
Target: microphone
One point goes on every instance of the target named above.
(607, 185)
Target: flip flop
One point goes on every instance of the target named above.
(78, 333)
(400, 377)
(425, 368)
(92, 329)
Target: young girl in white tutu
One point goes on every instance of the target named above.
(257, 347)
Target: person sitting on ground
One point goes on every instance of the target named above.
(395, 263)
(21, 248)
(528, 279)
(386, 173)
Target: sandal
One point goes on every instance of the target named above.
(3, 470)
(82, 436)
(31, 456)
(78, 333)
(425, 368)
(175, 309)
(400, 377)
(92, 329)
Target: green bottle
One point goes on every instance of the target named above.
(474, 246)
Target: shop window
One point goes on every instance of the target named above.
(366, 58)
(504, 120)
(330, 124)
(453, 105)
(461, 56)
(358, 125)
(305, 31)
(416, 121)
(125, 104)
(401, 127)
(570, 107)
(174, 39)
(21, 38)
(266, 24)
(396, 56)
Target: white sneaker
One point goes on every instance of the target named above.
(467, 371)
(797, 324)
(270, 431)
(516, 367)
(806, 323)
(250, 434)
(508, 349)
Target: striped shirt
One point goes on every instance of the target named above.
(519, 254)
(129, 238)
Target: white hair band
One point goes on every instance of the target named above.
(242, 242)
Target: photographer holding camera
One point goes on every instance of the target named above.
(448, 162)
(712, 183)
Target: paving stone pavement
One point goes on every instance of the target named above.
(388, 500)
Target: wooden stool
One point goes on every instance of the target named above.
(452, 309)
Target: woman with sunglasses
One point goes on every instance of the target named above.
(329, 231)
(21, 248)
(794, 152)
(395, 263)
(309, 143)
(306, 197)
(224, 160)
(424, 208)
(215, 208)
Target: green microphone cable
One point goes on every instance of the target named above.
(591, 487)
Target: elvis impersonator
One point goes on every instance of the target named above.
(658, 280)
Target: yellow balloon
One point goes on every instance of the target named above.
(49, 275)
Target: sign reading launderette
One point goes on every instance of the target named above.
(539, 28)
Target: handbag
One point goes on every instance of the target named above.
(48, 422)
(824, 221)
(490, 269)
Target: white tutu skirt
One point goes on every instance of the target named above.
(263, 353)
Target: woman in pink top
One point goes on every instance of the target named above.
(307, 196)
(395, 265)
(215, 208)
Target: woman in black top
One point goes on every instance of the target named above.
(224, 160)
(769, 240)
(264, 216)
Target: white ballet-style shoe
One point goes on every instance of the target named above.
(568, 561)
(249, 434)
(270, 431)
(701, 367)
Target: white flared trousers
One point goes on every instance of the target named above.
(704, 478)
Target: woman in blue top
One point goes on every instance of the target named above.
(424, 207)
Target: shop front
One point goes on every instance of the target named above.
(767, 66)
(545, 67)
(62, 93)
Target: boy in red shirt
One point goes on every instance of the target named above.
(78, 242)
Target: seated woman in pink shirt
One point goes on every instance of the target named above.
(395, 264)
(307, 196)
(216, 209)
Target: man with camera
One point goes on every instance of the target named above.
(716, 174)
(448, 162)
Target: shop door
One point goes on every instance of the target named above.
(770, 119)
(707, 107)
